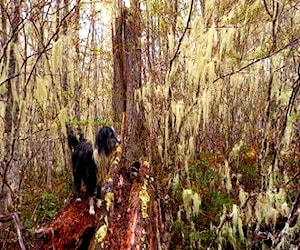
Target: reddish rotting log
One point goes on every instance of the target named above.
(72, 228)
(135, 221)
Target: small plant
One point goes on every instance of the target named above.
(201, 204)
(48, 207)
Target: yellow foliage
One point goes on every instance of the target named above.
(191, 202)
(41, 91)
(62, 118)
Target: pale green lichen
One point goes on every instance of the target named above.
(109, 198)
(145, 199)
(101, 233)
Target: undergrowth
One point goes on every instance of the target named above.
(195, 230)
(222, 206)
(39, 204)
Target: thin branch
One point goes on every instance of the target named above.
(267, 9)
(292, 44)
(294, 208)
(5, 217)
(292, 179)
(183, 34)
(276, 12)
(19, 230)
(48, 43)
(228, 217)
(14, 216)
(45, 49)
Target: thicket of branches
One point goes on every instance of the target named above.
(219, 78)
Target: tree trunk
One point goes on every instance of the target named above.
(11, 115)
(127, 79)
(65, 56)
(134, 129)
(119, 87)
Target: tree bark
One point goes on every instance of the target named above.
(134, 121)
(76, 107)
(119, 86)
(11, 115)
(127, 79)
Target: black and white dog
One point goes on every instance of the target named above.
(87, 163)
(106, 142)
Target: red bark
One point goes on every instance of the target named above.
(69, 229)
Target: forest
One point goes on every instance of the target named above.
(204, 96)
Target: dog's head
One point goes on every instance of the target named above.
(106, 140)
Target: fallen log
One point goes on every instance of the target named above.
(137, 209)
(134, 223)
(72, 228)
(128, 218)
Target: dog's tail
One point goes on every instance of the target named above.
(72, 139)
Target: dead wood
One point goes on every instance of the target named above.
(128, 219)
(135, 223)
(70, 229)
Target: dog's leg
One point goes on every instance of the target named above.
(91, 204)
(99, 203)
(98, 196)
(77, 181)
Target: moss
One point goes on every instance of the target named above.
(249, 173)
(206, 182)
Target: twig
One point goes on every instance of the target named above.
(248, 199)
(294, 208)
(182, 36)
(267, 9)
(5, 217)
(292, 179)
(14, 216)
(292, 43)
(207, 216)
(291, 217)
(19, 230)
(227, 218)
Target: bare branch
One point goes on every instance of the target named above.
(290, 44)
(19, 230)
(267, 9)
(14, 216)
(294, 208)
(182, 36)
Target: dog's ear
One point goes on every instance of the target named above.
(72, 139)
(69, 129)
(100, 138)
